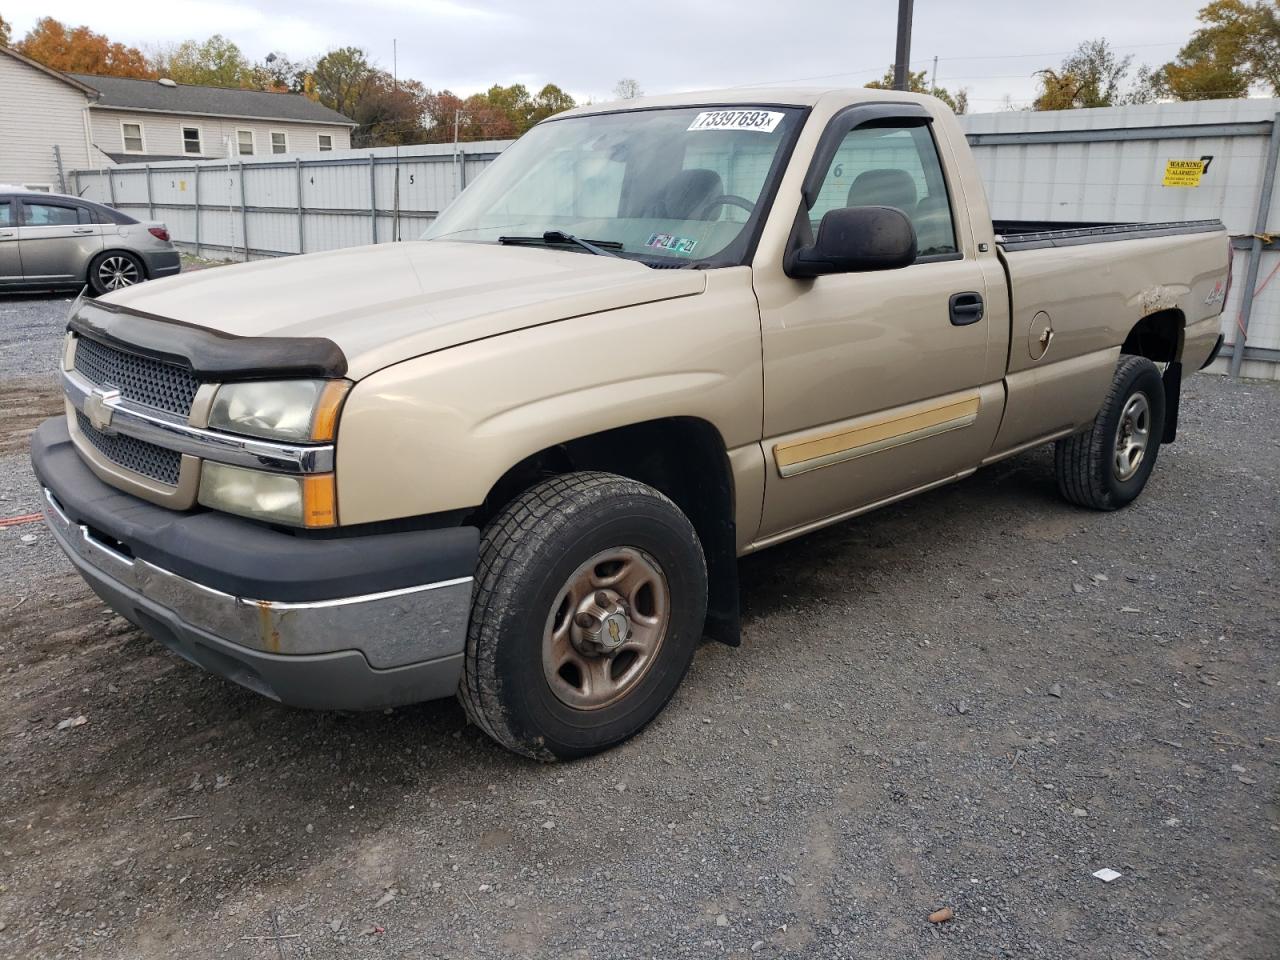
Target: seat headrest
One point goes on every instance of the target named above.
(883, 188)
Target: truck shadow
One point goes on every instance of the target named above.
(840, 559)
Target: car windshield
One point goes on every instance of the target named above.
(672, 186)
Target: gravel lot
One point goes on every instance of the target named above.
(971, 700)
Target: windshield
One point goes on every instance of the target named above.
(673, 187)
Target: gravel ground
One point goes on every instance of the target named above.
(971, 700)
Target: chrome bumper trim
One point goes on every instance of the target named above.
(174, 433)
(391, 628)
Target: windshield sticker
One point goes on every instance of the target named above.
(761, 121)
(665, 241)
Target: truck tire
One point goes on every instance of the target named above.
(590, 596)
(1107, 465)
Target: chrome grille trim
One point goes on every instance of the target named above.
(175, 434)
(150, 382)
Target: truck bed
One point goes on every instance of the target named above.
(1014, 235)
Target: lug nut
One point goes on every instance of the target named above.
(602, 599)
(584, 620)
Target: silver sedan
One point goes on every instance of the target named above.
(50, 240)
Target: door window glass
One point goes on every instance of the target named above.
(51, 215)
(6, 214)
(892, 167)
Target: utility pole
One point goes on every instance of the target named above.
(933, 78)
(902, 58)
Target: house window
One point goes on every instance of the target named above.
(131, 134)
(279, 142)
(326, 141)
(244, 143)
(191, 140)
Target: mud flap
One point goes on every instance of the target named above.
(1172, 396)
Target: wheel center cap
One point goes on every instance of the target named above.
(603, 622)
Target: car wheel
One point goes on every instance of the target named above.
(591, 591)
(115, 270)
(1107, 465)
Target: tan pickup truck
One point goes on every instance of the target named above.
(517, 460)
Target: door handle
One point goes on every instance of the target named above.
(965, 308)
(82, 230)
(7, 233)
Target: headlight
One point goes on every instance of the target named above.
(296, 410)
(307, 501)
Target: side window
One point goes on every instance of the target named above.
(6, 214)
(50, 215)
(892, 167)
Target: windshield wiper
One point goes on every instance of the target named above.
(603, 248)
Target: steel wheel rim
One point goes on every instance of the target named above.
(1133, 433)
(117, 272)
(621, 584)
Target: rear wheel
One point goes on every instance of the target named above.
(115, 270)
(591, 592)
(1107, 465)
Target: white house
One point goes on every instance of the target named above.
(53, 122)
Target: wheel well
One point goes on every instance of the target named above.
(1157, 336)
(684, 458)
(142, 264)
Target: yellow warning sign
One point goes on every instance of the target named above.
(1183, 173)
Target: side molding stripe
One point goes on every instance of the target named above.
(800, 456)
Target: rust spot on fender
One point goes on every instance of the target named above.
(266, 630)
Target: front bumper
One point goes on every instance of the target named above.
(322, 623)
(161, 263)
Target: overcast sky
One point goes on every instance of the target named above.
(993, 48)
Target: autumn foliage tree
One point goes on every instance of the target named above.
(80, 50)
(215, 62)
(1092, 76)
(1236, 48)
(916, 83)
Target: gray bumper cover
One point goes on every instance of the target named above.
(410, 641)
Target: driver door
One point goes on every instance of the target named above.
(874, 381)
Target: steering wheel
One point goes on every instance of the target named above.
(725, 199)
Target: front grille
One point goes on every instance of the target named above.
(133, 454)
(163, 386)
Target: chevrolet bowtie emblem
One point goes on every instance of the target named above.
(97, 408)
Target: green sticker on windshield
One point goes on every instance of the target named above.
(665, 241)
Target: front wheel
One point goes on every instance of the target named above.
(591, 591)
(1107, 465)
(115, 270)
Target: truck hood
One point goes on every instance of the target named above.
(386, 303)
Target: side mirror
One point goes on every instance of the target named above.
(853, 239)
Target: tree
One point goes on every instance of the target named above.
(5, 30)
(958, 102)
(627, 89)
(1237, 46)
(80, 50)
(216, 62)
(1092, 76)
(390, 113)
(342, 77)
(278, 74)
